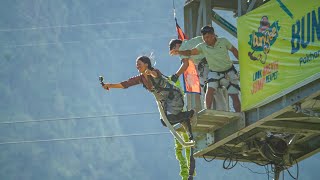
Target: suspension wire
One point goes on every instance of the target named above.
(208, 160)
(76, 118)
(81, 138)
(233, 162)
(174, 10)
(244, 166)
(267, 171)
(297, 175)
(79, 25)
(32, 44)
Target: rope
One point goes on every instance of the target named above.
(174, 10)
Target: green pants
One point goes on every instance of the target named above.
(187, 162)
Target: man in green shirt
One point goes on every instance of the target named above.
(222, 71)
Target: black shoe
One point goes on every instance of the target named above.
(162, 122)
(187, 115)
(190, 114)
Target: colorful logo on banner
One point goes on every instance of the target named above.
(262, 40)
(278, 52)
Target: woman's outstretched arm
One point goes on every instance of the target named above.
(124, 84)
(108, 86)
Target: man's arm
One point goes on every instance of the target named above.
(234, 51)
(184, 66)
(184, 53)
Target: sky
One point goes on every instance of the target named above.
(124, 36)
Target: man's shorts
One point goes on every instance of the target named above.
(224, 79)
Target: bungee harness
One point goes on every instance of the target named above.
(224, 76)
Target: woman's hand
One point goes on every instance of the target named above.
(147, 72)
(106, 86)
(151, 73)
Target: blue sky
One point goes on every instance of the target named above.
(118, 38)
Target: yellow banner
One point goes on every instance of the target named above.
(279, 49)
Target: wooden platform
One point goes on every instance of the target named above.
(211, 120)
(219, 134)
